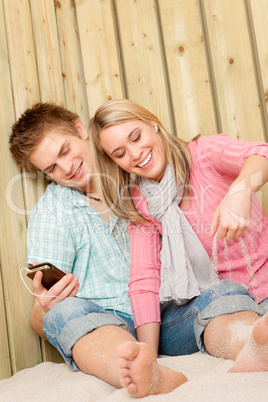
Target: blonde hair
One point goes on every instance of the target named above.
(115, 184)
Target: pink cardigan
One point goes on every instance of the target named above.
(216, 162)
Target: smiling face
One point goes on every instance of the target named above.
(65, 158)
(136, 148)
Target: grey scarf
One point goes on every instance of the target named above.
(186, 268)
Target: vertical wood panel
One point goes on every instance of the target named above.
(5, 367)
(187, 67)
(24, 344)
(259, 9)
(234, 68)
(47, 51)
(146, 81)
(71, 59)
(103, 73)
(21, 54)
(24, 77)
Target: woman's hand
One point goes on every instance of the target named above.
(233, 214)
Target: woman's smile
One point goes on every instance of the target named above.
(135, 147)
(147, 162)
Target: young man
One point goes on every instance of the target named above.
(71, 228)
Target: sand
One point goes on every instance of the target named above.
(207, 375)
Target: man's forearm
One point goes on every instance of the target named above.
(37, 316)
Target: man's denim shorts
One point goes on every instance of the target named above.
(73, 318)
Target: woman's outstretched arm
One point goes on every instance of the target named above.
(233, 214)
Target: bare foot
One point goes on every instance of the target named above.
(254, 355)
(141, 374)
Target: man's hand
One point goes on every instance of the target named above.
(65, 287)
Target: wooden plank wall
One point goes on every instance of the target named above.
(200, 65)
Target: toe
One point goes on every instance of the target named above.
(132, 389)
(123, 363)
(124, 373)
(125, 381)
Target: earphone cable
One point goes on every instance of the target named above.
(34, 294)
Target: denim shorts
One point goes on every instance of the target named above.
(181, 330)
(73, 318)
(264, 305)
(182, 327)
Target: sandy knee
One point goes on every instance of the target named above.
(260, 331)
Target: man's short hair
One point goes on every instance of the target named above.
(33, 124)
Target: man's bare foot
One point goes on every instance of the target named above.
(141, 374)
(254, 355)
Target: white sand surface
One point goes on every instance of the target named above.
(207, 375)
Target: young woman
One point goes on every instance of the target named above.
(193, 203)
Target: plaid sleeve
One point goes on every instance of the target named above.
(49, 240)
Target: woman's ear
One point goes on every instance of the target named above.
(81, 129)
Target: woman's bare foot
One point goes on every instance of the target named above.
(254, 355)
(141, 374)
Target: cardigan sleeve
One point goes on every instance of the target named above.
(228, 155)
(144, 280)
